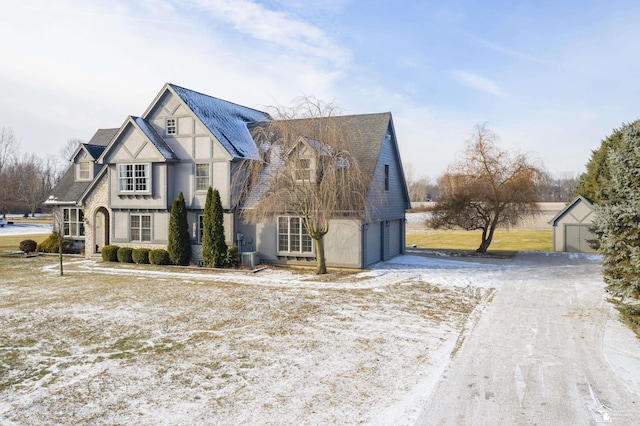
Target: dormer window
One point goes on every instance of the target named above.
(172, 126)
(303, 170)
(84, 171)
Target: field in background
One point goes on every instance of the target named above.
(503, 240)
(533, 234)
(12, 242)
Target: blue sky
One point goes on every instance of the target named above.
(552, 78)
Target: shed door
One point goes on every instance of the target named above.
(395, 238)
(575, 238)
(374, 248)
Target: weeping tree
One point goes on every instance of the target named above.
(486, 188)
(179, 245)
(214, 247)
(307, 174)
(618, 216)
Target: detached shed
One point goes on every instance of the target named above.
(571, 227)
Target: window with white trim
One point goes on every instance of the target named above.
(133, 178)
(140, 227)
(84, 171)
(72, 222)
(303, 170)
(203, 177)
(171, 126)
(293, 237)
(200, 227)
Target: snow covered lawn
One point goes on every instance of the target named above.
(122, 344)
(119, 344)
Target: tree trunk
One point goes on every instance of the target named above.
(486, 239)
(321, 262)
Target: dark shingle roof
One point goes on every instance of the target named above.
(366, 134)
(225, 120)
(67, 189)
(99, 142)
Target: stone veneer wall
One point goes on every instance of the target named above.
(99, 197)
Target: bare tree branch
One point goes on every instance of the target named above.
(487, 188)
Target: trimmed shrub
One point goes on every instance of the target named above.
(159, 257)
(140, 256)
(179, 246)
(52, 244)
(28, 246)
(124, 255)
(110, 253)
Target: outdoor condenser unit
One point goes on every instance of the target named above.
(250, 259)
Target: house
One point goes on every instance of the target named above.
(572, 226)
(120, 186)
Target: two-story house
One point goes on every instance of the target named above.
(120, 186)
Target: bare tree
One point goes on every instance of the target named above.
(487, 188)
(308, 170)
(419, 188)
(8, 153)
(31, 177)
(69, 148)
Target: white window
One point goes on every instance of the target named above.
(293, 237)
(72, 222)
(303, 170)
(203, 180)
(133, 178)
(84, 171)
(140, 227)
(172, 126)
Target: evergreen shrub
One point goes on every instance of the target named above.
(159, 257)
(52, 244)
(140, 255)
(28, 246)
(124, 255)
(110, 253)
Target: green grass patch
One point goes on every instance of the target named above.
(509, 240)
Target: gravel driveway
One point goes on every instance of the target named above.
(540, 353)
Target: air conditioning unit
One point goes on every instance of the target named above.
(250, 259)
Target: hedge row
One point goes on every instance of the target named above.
(113, 253)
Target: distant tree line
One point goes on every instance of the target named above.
(26, 180)
(551, 188)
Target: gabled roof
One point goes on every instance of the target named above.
(155, 138)
(570, 206)
(149, 132)
(225, 120)
(97, 144)
(366, 134)
(67, 190)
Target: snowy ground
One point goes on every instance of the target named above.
(120, 344)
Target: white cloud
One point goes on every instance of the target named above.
(475, 81)
(277, 27)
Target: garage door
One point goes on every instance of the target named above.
(575, 238)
